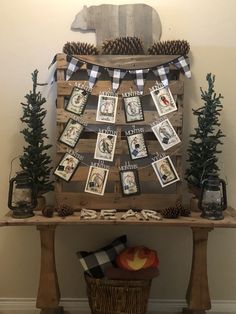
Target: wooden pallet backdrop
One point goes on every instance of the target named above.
(152, 195)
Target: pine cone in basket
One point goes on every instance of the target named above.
(48, 211)
(123, 46)
(64, 210)
(169, 47)
(78, 48)
(170, 212)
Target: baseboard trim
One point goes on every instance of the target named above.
(81, 305)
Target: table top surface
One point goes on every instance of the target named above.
(194, 220)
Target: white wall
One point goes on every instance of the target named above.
(32, 32)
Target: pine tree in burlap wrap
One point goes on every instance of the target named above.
(123, 46)
(78, 48)
(169, 47)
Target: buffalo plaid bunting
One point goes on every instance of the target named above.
(73, 66)
(94, 71)
(181, 62)
(140, 77)
(116, 76)
(162, 71)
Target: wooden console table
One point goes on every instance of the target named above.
(197, 296)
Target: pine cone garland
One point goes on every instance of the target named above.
(123, 46)
(169, 47)
(170, 212)
(65, 210)
(48, 211)
(78, 48)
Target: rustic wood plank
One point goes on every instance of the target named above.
(114, 200)
(119, 62)
(64, 88)
(90, 116)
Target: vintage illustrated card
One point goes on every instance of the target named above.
(163, 99)
(77, 101)
(165, 171)
(96, 180)
(67, 167)
(133, 108)
(137, 146)
(165, 133)
(71, 134)
(129, 182)
(107, 107)
(105, 146)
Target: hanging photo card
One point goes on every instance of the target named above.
(165, 171)
(67, 167)
(78, 100)
(163, 99)
(137, 146)
(129, 182)
(133, 108)
(105, 146)
(71, 133)
(107, 107)
(96, 180)
(166, 135)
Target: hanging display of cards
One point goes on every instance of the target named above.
(78, 99)
(97, 179)
(133, 107)
(105, 145)
(136, 143)
(163, 99)
(67, 166)
(165, 133)
(165, 171)
(129, 180)
(71, 133)
(107, 107)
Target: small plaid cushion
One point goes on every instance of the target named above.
(95, 263)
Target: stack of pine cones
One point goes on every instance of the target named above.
(78, 48)
(123, 46)
(170, 47)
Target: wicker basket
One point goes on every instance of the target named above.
(117, 296)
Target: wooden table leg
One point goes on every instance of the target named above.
(48, 291)
(198, 297)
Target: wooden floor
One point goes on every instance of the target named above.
(76, 312)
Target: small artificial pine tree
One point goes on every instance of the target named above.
(35, 160)
(202, 148)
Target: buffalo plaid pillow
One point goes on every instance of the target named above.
(95, 263)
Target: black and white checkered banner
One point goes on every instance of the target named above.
(162, 71)
(116, 76)
(73, 66)
(94, 71)
(140, 76)
(181, 62)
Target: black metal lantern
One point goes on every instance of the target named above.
(213, 199)
(21, 197)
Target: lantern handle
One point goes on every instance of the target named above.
(10, 193)
(201, 195)
(224, 193)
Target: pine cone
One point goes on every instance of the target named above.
(78, 48)
(65, 210)
(169, 47)
(170, 212)
(123, 46)
(182, 211)
(48, 211)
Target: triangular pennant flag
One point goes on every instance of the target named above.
(162, 71)
(116, 76)
(53, 61)
(73, 66)
(94, 72)
(181, 62)
(141, 75)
